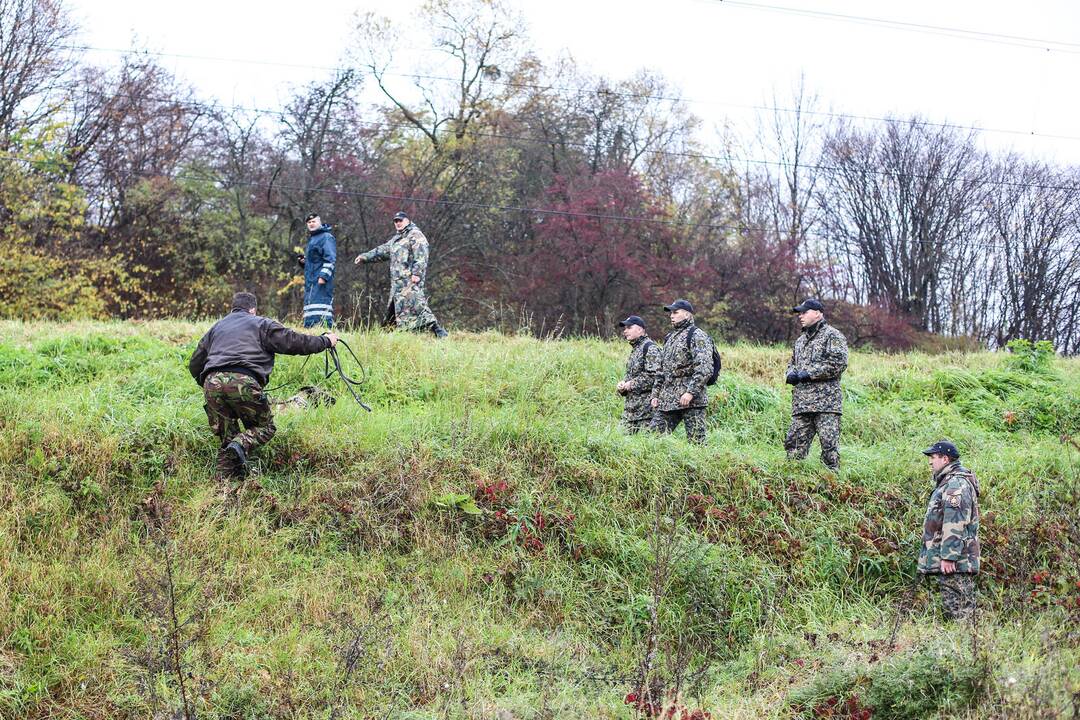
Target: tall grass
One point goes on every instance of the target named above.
(357, 580)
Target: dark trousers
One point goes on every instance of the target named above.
(801, 433)
(665, 421)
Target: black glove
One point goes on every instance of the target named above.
(300, 260)
(792, 377)
(804, 376)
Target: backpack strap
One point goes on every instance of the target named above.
(645, 353)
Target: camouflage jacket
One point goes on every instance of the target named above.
(951, 528)
(682, 371)
(642, 368)
(822, 352)
(407, 252)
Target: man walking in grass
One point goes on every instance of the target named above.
(232, 363)
(818, 360)
(686, 365)
(950, 547)
(642, 368)
(407, 252)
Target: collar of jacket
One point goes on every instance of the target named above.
(637, 341)
(319, 230)
(405, 230)
(681, 325)
(811, 330)
(943, 474)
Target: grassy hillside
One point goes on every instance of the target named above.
(487, 544)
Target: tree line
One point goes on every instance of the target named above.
(555, 201)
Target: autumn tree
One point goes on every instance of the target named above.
(605, 250)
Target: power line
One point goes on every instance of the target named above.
(742, 228)
(731, 159)
(600, 91)
(965, 33)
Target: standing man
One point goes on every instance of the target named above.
(950, 547)
(817, 362)
(232, 363)
(642, 368)
(407, 252)
(686, 363)
(320, 256)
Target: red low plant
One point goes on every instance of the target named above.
(669, 711)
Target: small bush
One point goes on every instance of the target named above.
(913, 686)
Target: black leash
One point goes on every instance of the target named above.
(332, 354)
(350, 383)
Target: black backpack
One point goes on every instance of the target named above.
(711, 380)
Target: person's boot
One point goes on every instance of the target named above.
(238, 458)
(439, 331)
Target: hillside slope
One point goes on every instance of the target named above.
(487, 544)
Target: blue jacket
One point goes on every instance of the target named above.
(320, 256)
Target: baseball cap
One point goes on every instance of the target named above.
(632, 320)
(809, 304)
(943, 447)
(680, 304)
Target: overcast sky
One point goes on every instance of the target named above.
(1019, 76)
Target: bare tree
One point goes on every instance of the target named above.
(125, 127)
(902, 196)
(1035, 221)
(481, 39)
(793, 136)
(35, 61)
(318, 125)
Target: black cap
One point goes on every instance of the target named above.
(943, 447)
(680, 304)
(311, 216)
(399, 215)
(809, 304)
(632, 320)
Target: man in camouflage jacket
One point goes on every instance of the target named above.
(686, 363)
(642, 368)
(950, 542)
(407, 252)
(817, 362)
(232, 363)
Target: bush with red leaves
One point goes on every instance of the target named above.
(533, 530)
(670, 711)
(850, 709)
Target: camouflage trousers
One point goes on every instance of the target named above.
(634, 425)
(957, 595)
(801, 433)
(231, 399)
(665, 421)
(408, 310)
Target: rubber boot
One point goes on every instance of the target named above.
(239, 459)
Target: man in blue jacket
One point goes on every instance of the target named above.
(320, 256)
